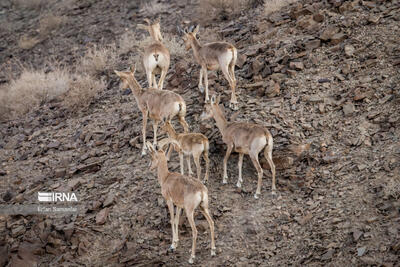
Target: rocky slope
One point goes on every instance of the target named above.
(325, 74)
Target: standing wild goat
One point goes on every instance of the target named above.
(213, 56)
(157, 104)
(184, 192)
(193, 144)
(246, 138)
(156, 56)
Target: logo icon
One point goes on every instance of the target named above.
(56, 197)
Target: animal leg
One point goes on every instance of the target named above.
(207, 160)
(162, 78)
(181, 162)
(196, 158)
(188, 163)
(144, 132)
(206, 213)
(177, 215)
(183, 122)
(171, 213)
(206, 83)
(268, 156)
(155, 126)
(154, 80)
(189, 214)
(233, 102)
(201, 88)
(254, 159)
(228, 153)
(149, 78)
(240, 180)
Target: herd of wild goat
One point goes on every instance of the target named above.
(182, 191)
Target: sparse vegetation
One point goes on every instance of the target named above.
(36, 87)
(30, 4)
(98, 60)
(210, 9)
(27, 42)
(49, 23)
(154, 8)
(271, 6)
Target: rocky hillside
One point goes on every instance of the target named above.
(323, 76)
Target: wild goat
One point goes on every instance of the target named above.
(213, 56)
(193, 144)
(157, 104)
(184, 192)
(246, 138)
(156, 56)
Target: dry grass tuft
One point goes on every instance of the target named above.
(210, 9)
(174, 45)
(49, 23)
(30, 4)
(27, 42)
(83, 88)
(35, 87)
(128, 42)
(391, 187)
(32, 89)
(154, 8)
(99, 60)
(271, 6)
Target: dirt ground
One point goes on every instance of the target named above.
(323, 73)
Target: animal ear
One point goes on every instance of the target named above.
(119, 74)
(147, 21)
(150, 147)
(133, 69)
(196, 30)
(213, 100)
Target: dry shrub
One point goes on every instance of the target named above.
(83, 88)
(174, 45)
(32, 89)
(30, 4)
(207, 35)
(210, 9)
(49, 23)
(99, 60)
(128, 42)
(154, 8)
(271, 6)
(28, 42)
(391, 187)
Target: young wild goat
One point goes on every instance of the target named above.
(246, 138)
(193, 144)
(184, 192)
(156, 56)
(213, 56)
(157, 104)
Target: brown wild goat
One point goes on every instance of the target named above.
(184, 192)
(193, 144)
(156, 57)
(245, 138)
(213, 56)
(159, 105)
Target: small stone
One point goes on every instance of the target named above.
(130, 160)
(349, 50)
(313, 44)
(318, 17)
(361, 251)
(74, 184)
(296, 65)
(357, 234)
(109, 200)
(60, 172)
(101, 217)
(348, 109)
(338, 38)
(328, 255)
(328, 33)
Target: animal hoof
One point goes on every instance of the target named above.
(213, 252)
(224, 181)
(201, 88)
(239, 185)
(256, 196)
(144, 152)
(171, 248)
(191, 260)
(234, 105)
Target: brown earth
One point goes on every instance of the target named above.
(325, 74)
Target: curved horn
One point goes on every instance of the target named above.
(147, 21)
(167, 141)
